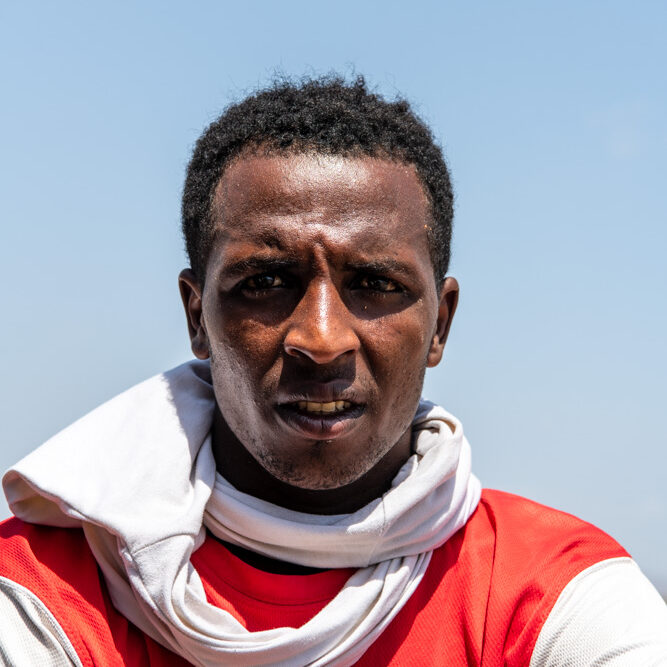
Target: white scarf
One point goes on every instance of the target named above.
(138, 475)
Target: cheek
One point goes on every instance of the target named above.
(397, 349)
(400, 339)
(245, 355)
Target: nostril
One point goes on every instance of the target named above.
(320, 347)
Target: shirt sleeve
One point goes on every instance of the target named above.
(609, 615)
(29, 633)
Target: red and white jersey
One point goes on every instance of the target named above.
(519, 585)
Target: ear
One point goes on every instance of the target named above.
(449, 297)
(191, 294)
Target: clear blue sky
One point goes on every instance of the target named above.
(553, 117)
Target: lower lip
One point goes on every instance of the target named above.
(320, 426)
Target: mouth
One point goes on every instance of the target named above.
(315, 407)
(321, 420)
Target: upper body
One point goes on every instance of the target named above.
(317, 220)
(492, 595)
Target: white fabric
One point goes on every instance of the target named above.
(609, 615)
(138, 474)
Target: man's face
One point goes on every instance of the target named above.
(320, 312)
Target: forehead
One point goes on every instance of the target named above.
(312, 180)
(371, 203)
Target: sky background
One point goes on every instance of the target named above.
(553, 118)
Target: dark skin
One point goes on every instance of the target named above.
(320, 313)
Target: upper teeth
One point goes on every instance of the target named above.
(333, 406)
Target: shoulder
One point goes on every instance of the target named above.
(494, 584)
(524, 546)
(572, 592)
(31, 551)
(50, 582)
(44, 572)
(543, 534)
(55, 564)
(531, 553)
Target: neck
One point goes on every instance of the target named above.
(266, 564)
(240, 469)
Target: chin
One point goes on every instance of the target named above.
(318, 476)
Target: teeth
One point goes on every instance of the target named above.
(332, 406)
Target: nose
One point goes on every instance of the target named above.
(321, 326)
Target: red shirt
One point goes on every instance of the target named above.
(483, 599)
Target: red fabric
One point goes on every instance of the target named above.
(489, 589)
(483, 599)
(260, 600)
(57, 565)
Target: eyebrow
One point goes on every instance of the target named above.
(257, 264)
(380, 266)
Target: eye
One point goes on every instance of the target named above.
(377, 284)
(263, 281)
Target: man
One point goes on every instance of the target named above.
(287, 499)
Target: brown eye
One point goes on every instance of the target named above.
(377, 284)
(263, 281)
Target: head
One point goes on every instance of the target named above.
(325, 116)
(317, 219)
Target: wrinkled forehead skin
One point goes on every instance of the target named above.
(310, 181)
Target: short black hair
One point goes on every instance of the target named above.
(327, 115)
